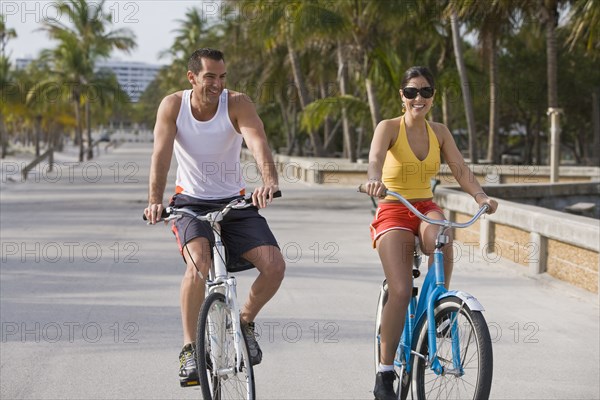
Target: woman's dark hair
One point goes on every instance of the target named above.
(195, 61)
(414, 72)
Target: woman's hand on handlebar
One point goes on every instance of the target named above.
(491, 203)
(374, 188)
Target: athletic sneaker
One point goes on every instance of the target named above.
(384, 386)
(188, 371)
(253, 347)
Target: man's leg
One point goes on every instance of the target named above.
(197, 254)
(269, 262)
(271, 267)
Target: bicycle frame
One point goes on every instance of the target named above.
(218, 279)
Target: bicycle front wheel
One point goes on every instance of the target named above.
(468, 376)
(216, 342)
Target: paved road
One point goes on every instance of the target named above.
(89, 298)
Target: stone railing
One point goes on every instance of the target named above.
(336, 171)
(565, 246)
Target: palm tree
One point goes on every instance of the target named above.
(492, 20)
(5, 35)
(294, 25)
(192, 33)
(80, 46)
(465, 87)
(584, 24)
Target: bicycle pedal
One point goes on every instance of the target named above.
(189, 384)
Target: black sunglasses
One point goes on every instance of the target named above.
(411, 92)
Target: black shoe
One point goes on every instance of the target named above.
(384, 386)
(253, 347)
(188, 371)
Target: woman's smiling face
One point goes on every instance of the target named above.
(416, 104)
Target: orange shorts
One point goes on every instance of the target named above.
(391, 216)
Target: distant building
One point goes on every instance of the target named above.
(134, 77)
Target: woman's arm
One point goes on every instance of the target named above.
(460, 170)
(383, 139)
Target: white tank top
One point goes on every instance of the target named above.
(208, 153)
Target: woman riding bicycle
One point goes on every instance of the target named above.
(404, 155)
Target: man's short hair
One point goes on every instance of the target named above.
(195, 61)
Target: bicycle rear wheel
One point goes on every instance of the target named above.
(473, 379)
(401, 385)
(220, 379)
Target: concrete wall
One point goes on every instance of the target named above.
(541, 240)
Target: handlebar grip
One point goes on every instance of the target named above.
(164, 214)
(277, 194)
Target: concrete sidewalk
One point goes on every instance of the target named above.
(89, 298)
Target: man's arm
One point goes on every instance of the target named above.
(252, 129)
(164, 138)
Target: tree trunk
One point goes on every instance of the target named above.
(289, 134)
(595, 149)
(538, 140)
(551, 20)
(38, 134)
(315, 140)
(466, 91)
(78, 130)
(373, 103)
(3, 138)
(343, 78)
(88, 119)
(446, 110)
(492, 149)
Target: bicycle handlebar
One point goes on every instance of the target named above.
(439, 222)
(238, 203)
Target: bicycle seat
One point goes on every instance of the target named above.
(239, 265)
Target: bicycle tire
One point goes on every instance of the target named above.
(401, 385)
(215, 352)
(475, 351)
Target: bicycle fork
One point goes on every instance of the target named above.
(231, 297)
(437, 292)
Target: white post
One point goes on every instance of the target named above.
(554, 142)
(539, 258)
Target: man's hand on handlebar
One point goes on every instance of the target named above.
(153, 213)
(263, 195)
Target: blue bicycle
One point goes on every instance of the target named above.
(445, 351)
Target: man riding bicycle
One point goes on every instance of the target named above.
(205, 127)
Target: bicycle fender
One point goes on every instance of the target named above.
(471, 301)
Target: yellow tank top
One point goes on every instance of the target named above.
(404, 173)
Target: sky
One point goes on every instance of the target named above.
(152, 21)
